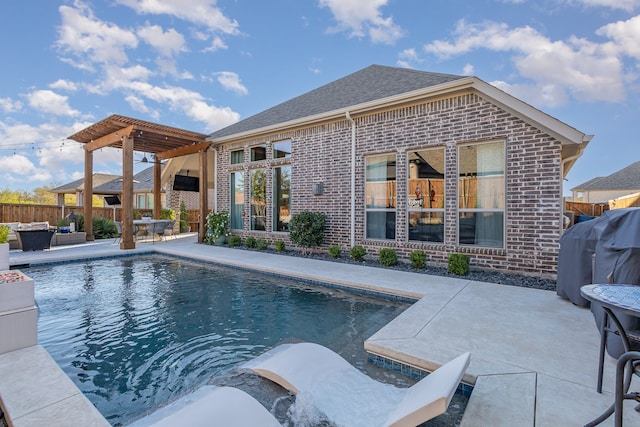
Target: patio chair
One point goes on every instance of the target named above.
(157, 228)
(210, 405)
(344, 394)
(169, 227)
(119, 231)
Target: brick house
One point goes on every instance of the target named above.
(405, 159)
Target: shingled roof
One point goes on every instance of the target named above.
(78, 185)
(625, 179)
(369, 84)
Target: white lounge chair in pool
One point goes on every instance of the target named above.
(347, 396)
(211, 406)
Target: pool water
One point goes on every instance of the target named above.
(135, 333)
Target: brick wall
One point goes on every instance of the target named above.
(323, 154)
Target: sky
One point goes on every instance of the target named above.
(202, 65)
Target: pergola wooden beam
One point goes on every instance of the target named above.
(183, 151)
(108, 140)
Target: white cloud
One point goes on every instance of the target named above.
(201, 12)
(167, 43)
(586, 70)
(468, 70)
(18, 168)
(92, 40)
(216, 44)
(231, 81)
(628, 5)
(64, 85)
(47, 101)
(8, 105)
(363, 18)
(625, 35)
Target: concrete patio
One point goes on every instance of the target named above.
(533, 354)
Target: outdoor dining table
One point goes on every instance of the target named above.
(624, 299)
(142, 225)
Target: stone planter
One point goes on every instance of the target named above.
(16, 291)
(219, 241)
(18, 313)
(4, 256)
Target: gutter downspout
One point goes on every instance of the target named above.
(353, 180)
(563, 163)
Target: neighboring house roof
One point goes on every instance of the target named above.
(624, 179)
(372, 83)
(78, 185)
(379, 86)
(111, 184)
(142, 183)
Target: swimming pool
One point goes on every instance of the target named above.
(134, 333)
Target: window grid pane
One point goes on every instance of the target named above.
(425, 195)
(282, 149)
(481, 194)
(258, 199)
(380, 193)
(237, 157)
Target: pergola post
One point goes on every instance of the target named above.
(127, 194)
(157, 171)
(204, 195)
(88, 194)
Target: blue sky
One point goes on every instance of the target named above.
(204, 64)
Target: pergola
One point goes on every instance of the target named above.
(137, 135)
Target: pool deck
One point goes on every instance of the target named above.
(533, 354)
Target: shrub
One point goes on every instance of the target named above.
(234, 241)
(262, 244)
(418, 259)
(4, 234)
(306, 229)
(357, 253)
(184, 217)
(334, 251)
(387, 257)
(167, 214)
(459, 264)
(250, 242)
(279, 246)
(104, 228)
(217, 226)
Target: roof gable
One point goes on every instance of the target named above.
(369, 84)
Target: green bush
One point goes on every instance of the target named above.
(357, 253)
(387, 257)
(250, 242)
(306, 229)
(234, 241)
(418, 259)
(279, 246)
(334, 251)
(104, 228)
(184, 217)
(4, 234)
(459, 264)
(167, 214)
(262, 244)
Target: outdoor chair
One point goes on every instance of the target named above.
(157, 228)
(345, 394)
(119, 231)
(169, 227)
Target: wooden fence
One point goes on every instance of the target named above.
(591, 209)
(53, 213)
